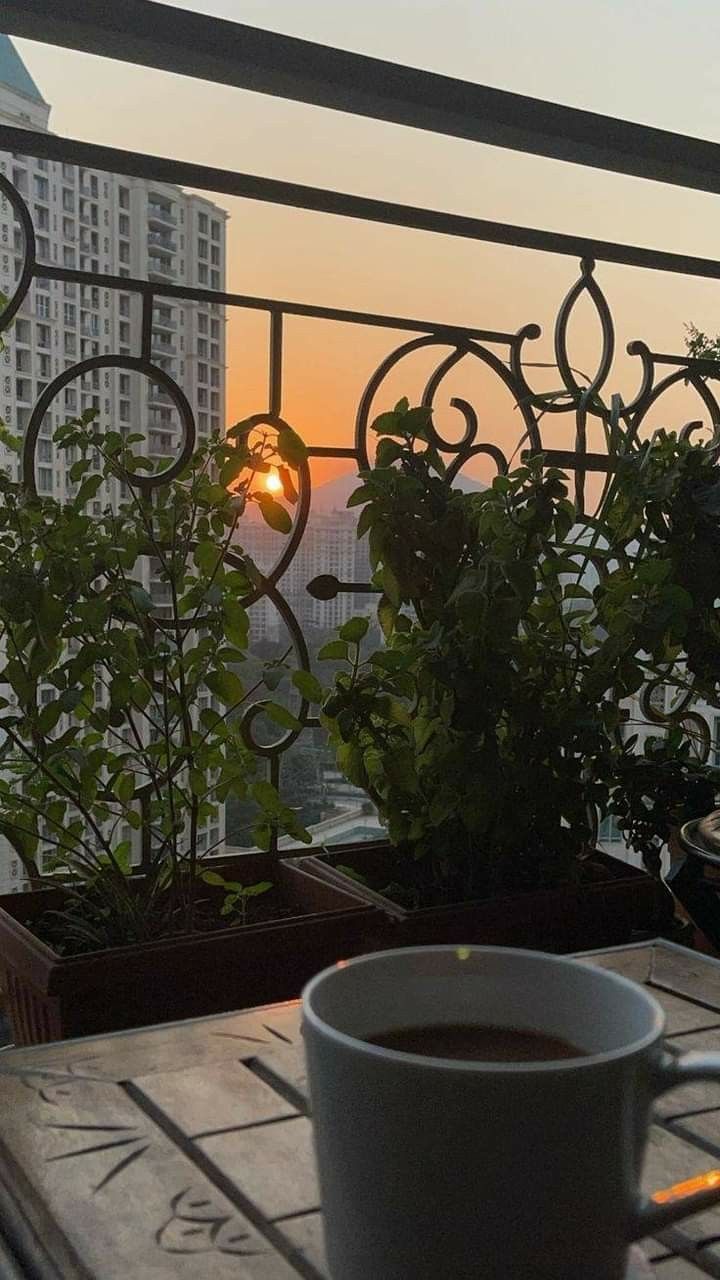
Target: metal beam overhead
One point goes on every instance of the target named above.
(178, 40)
(299, 196)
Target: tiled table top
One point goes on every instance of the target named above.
(185, 1151)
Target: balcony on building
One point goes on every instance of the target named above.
(162, 242)
(162, 346)
(160, 268)
(162, 318)
(22, 333)
(159, 398)
(88, 216)
(163, 362)
(20, 181)
(160, 213)
(163, 419)
(136, 223)
(160, 442)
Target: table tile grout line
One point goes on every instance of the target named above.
(691, 1031)
(221, 1181)
(239, 1128)
(286, 1090)
(34, 1239)
(654, 985)
(693, 1139)
(10, 1265)
(672, 1118)
(685, 1247)
(674, 1236)
(296, 1213)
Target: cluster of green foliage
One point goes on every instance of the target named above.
(106, 722)
(237, 896)
(302, 790)
(702, 347)
(490, 728)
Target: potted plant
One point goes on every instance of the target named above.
(491, 729)
(125, 722)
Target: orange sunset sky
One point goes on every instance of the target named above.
(652, 63)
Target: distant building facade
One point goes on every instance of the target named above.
(330, 546)
(107, 224)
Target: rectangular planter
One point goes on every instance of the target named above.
(627, 904)
(51, 997)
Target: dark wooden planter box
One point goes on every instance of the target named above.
(50, 997)
(627, 904)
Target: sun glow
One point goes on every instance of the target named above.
(273, 483)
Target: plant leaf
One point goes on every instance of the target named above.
(354, 630)
(291, 447)
(274, 514)
(308, 685)
(281, 715)
(226, 685)
(333, 649)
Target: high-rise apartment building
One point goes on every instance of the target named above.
(110, 225)
(330, 547)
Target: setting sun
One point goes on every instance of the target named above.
(273, 483)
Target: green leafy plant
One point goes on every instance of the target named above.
(490, 729)
(124, 639)
(700, 346)
(237, 896)
(659, 790)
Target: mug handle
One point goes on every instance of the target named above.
(698, 1193)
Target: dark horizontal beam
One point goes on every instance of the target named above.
(320, 200)
(275, 306)
(193, 44)
(574, 460)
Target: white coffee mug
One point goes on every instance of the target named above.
(438, 1169)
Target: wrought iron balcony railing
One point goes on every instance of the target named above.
(162, 321)
(162, 242)
(191, 44)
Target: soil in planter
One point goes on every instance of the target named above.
(85, 924)
(416, 883)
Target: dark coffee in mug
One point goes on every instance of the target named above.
(473, 1042)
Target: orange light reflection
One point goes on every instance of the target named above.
(703, 1182)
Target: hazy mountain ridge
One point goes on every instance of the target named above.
(334, 494)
